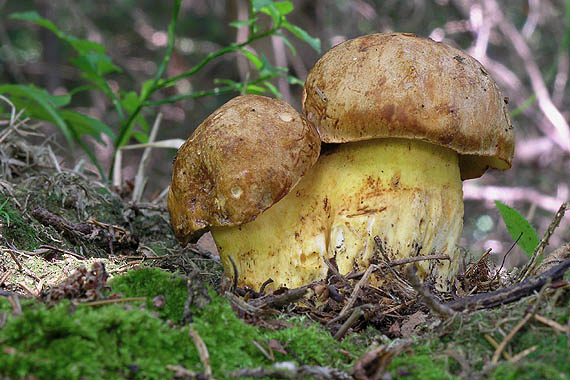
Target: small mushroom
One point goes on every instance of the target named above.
(409, 119)
(237, 164)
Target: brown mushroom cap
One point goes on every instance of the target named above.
(405, 86)
(241, 160)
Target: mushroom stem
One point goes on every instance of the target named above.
(406, 192)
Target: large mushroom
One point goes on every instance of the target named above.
(410, 118)
(406, 120)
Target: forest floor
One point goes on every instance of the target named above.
(95, 287)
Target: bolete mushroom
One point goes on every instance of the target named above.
(410, 118)
(240, 161)
(406, 118)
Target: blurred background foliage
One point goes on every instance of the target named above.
(523, 43)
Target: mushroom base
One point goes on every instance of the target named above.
(406, 192)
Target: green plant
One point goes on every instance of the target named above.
(95, 65)
(519, 228)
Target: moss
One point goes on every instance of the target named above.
(91, 343)
(15, 229)
(151, 282)
(126, 341)
(429, 358)
(422, 362)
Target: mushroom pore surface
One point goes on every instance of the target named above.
(406, 192)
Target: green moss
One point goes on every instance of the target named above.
(152, 282)
(15, 229)
(126, 341)
(423, 362)
(429, 358)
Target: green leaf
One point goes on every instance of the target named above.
(141, 137)
(46, 102)
(81, 46)
(238, 24)
(85, 125)
(254, 89)
(273, 89)
(253, 58)
(268, 69)
(315, 43)
(294, 80)
(257, 5)
(287, 42)
(283, 7)
(517, 225)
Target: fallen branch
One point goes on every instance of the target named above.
(428, 298)
(279, 300)
(510, 293)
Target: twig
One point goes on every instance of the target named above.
(268, 355)
(471, 268)
(5, 276)
(6, 293)
(196, 249)
(61, 250)
(241, 304)
(140, 180)
(202, 352)
(523, 354)
(428, 298)
(357, 288)
(509, 336)
(354, 317)
(539, 250)
(279, 300)
(510, 293)
(335, 271)
(549, 322)
(495, 345)
(288, 370)
(358, 275)
(519, 326)
(20, 267)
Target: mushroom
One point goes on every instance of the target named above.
(410, 118)
(404, 120)
(240, 161)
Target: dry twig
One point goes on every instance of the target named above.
(539, 250)
(549, 322)
(510, 293)
(428, 298)
(202, 352)
(519, 326)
